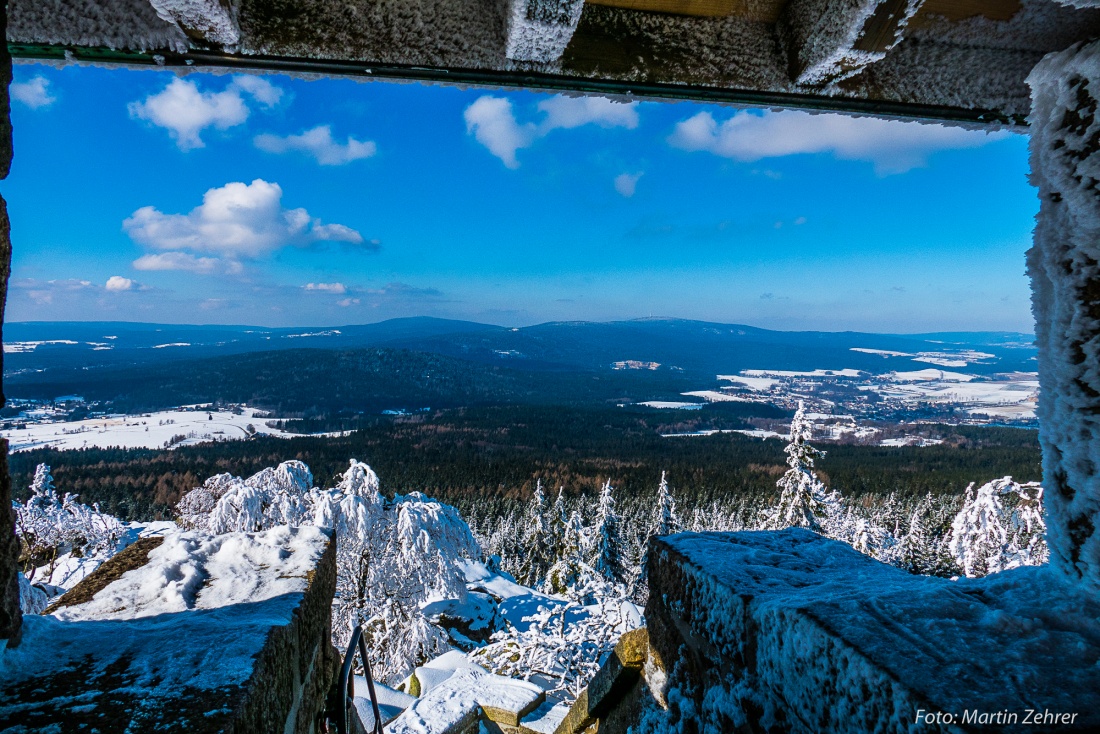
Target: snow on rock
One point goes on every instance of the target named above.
(1064, 265)
(790, 631)
(390, 702)
(457, 702)
(181, 643)
(196, 571)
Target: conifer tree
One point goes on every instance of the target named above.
(535, 549)
(803, 502)
(568, 570)
(665, 519)
(608, 556)
(558, 520)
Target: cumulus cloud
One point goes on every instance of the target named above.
(626, 183)
(34, 93)
(891, 146)
(569, 112)
(337, 288)
(185, 111)
(345, 302)
(318, 143)
(494, 125)
(234, 222)
(492, 121)
(118, 284)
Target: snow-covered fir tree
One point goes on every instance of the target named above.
(1000, 526)
(537, 541)
(568, 571)
(665, 519)
(803, 501)
(607, 541)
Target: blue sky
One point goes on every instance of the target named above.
(143, 196)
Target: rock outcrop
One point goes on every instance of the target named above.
(189, 633)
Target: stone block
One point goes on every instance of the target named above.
(248, 649)
(790, 631)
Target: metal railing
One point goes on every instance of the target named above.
(347, 685)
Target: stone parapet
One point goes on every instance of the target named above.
(791, 632)
(235, 637)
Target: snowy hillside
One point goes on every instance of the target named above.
(165, 428)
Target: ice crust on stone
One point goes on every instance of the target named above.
(118, 24)
(1064, 270)
(539, 30)
(814, 615)
(213, 20)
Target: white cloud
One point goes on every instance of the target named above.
(234, 222)
(626, 183)
(345, 302)
(263, 91)
(492, 121)
(494, 125)
(41, 292)
(187, 263)
(318, 143)
(117, 284)
(185, 111)
(570, 112)
(34, 93)
(891, 146)
(337, 288)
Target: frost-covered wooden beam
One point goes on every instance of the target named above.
(209, 22)
(1064, 264)
(539, 30)
(830, 40)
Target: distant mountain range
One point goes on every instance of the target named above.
(423, 362)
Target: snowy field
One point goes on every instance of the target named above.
(1003, 397)
(148, 430)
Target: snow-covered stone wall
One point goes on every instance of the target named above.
(789, 631)
(1064, 265)
(186, 632)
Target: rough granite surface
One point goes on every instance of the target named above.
(790, 631)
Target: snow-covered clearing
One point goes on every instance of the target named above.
(810, 373)
(929, 375)
(147, 430)
(760, 384)
(713, 396)
(1006, 398)
(21, 347)
(671, 405)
